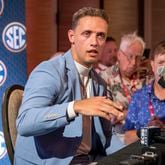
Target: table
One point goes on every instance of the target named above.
(134, 148)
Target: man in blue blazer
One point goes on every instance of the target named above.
(49, 122)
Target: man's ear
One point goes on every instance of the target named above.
(71, 36)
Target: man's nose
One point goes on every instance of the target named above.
(94, 41)
(135, 62)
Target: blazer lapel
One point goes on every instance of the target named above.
(74, 128)
(73, 77)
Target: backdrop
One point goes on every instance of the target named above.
(12, 54)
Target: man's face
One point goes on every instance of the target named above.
(159, 61)
(88, 39)
(129, 59)
(109, 54)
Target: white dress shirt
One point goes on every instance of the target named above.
(84, 74)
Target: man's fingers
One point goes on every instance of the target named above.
(112, 108)
(112, 113)
(115, 105)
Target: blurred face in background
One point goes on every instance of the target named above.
(129, 59)
(87, 39)
(109, 53)
(157, 64)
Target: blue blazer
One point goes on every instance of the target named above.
(45, 137)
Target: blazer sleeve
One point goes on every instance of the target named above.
(43, 110)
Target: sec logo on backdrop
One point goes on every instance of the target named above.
(14, 37)
(3, 73)
(1, 7)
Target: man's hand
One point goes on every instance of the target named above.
(99, 106)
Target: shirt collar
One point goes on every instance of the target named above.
(82, 70)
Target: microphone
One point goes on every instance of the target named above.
(161, 73)
(151, 134)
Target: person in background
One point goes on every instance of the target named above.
(108, 56)
(109, 53)
(147, 107)
(65, 113)
(122, 79)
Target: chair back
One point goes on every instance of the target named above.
(11, 102)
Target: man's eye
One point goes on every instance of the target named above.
(132, 57)
(101, 36)
(86, 34)
(161, 62)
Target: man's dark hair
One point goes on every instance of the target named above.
(88, 11)
(109, 39)
(159, 49)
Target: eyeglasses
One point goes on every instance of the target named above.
(132, 57)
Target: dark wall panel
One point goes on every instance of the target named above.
(65, 11)
(41, 31)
